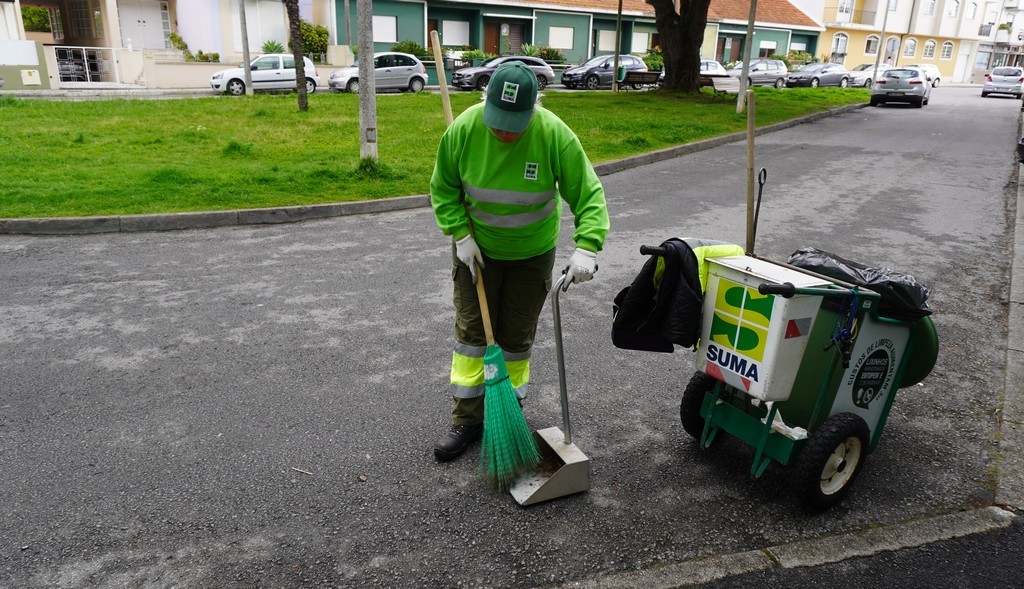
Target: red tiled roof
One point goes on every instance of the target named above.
(768, 11)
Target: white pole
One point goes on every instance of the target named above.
(367, 82)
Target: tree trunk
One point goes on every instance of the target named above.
(295, 32)
(682, 35)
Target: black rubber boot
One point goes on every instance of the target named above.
(455, 441)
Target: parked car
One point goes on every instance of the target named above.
(763, 72)
(598, 71)
(476, 77)
(902, 85)
(932, 72)
(1, 81)
(273, 71)
(864, 74)
(391, 71)
(707, 66)
(1004, 80)
(819, 74)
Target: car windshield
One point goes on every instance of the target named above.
(1006, 71)
(863, 67)
(599, 59)
(811, 67)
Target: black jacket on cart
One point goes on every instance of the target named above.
(663, 305)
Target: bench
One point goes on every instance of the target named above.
(638, 79)
(721, 85)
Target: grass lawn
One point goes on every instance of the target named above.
(109, 157)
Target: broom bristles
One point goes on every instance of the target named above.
(508, 446)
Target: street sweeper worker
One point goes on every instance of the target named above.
(503, 169)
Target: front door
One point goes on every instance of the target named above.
(145, 24)
(492, 34)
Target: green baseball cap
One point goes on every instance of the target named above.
(511, 94)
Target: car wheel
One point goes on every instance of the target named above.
(926, 99)
(593, 82)
(415, 85)
(919, 103)
(353, 86)
(481, 82)
(935, 83)
(815, 83)
(310, 86)
(845, 82)
(873, 102)
(867, 83)
(542, 82)
(780, 83)
(984, 94)
(236, 87)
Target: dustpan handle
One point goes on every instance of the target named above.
(560, 355)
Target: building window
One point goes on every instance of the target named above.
(981, 63)
(795, 46)
(893, 5)
(766, 48)
(871, 45)
(839, 41)
(561, 37)
(929, 49)
(456, 32)
(910, 48)
(929, 7)
(947, 50)
(972, 11)
(641, 43)
(385, 29)
(56, 26)
(954, 8)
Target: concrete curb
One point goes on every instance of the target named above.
(806, 553)
(206, 219)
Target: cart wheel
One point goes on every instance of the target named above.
(831, 460)
(693, 398)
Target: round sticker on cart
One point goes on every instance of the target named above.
(872, 373)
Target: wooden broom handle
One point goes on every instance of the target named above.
(485, 313)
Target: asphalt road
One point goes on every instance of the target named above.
(255, 406)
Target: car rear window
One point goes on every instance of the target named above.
(1007, 71)
(901, 74)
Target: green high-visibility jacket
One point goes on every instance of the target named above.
(511, 190)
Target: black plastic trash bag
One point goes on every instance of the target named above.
(903, 297)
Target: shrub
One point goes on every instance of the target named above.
(410, 47)
(178, 43)
(654, 59)
(531, 50)
(551, 54)
(36, 19)
(476, 54)
(314, 37)
(272, 47)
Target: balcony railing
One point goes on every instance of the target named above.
(855, 17)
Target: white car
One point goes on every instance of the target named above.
(933, 73)
(391, 71)
(273, 71)
(1004, 80)
(864, 74)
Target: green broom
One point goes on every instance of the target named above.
(508, 447)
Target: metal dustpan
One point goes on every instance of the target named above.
(564, 469)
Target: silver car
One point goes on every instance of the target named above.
(391, 71)
(902, 85)
(763, 72)
(864, 74)
(476, 77)
(1004, 80)
(273, 71)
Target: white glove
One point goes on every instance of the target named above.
(582, 266)
(468, 252)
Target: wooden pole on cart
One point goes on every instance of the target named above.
(750, 172)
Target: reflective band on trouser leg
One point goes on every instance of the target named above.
(468, 371)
